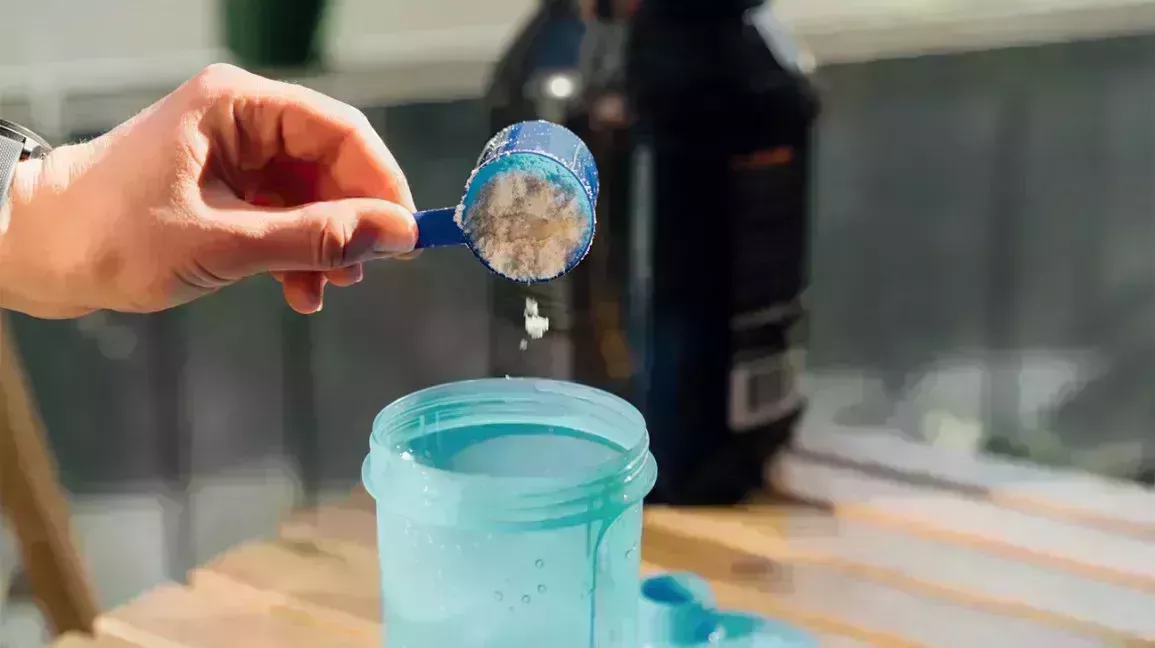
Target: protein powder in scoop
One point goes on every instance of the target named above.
(525, 227)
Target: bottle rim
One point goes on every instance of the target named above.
(403, 484)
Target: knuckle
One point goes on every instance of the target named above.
(354, 117)
(359, 117)
(216, 81)
(329, 237)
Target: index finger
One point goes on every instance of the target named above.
(255, 120)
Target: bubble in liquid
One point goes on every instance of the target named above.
(497, 596)
(539, 563)
(541, 589)
(525, 599)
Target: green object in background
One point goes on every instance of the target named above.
(274, 33)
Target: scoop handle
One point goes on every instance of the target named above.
(437, 228)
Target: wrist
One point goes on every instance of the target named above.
(40, 259)
(21, 193)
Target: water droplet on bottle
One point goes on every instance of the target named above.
(541, 589)
(497, 596)
(539, 563)
(629, 552)
(525, 599)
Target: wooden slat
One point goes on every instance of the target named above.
(733, 553)
(359, 500)
(172, 616)
(1017, 535)
(1065, 494)
(340, 586)
(31, 496)
(82, 640)
(341, 521)
(834, 641)
(1012, 587)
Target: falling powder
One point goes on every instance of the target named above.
(535, 324)
(525, 227)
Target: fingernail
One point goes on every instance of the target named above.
(393, 242)
(391, 248)
(382, 244)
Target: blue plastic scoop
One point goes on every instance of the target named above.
(677, 610)
(527, 212)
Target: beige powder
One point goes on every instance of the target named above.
(525, 227)
(535, 324)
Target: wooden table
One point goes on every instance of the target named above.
(853, 573)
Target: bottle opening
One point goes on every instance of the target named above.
(521, 452)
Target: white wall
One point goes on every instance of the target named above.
(85, 64)
(397, 50)
(366, 30)
(167, 32)
(74, 30)
(155, 35)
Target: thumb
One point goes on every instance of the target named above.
(317, 236)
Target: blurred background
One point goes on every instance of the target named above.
(981, 215)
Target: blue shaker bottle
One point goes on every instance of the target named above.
(541, 149)
(509, 515)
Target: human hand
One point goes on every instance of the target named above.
(229, 176)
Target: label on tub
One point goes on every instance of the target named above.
(764, 389)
